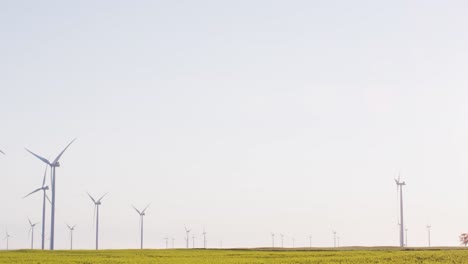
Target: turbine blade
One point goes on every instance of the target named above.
(69, 227)
(44, 179)
(73, 227)
(102, 197)
(30, 223)
(146, 208)
(38, 189)
(61, 153)
(39, 157)
(136, 209)
(48, 199)
(2, 152)
(94, 201)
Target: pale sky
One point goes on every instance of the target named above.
(243, 117)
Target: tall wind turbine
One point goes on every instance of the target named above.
(44, 188)
(400, 185)
(334, 238)
(31, 229)
(173, 239)
(71, 228)
(142, 214)
(273, 240)
(96, 212)
(7, 238)
(204, 238)
(429, 235)
(52, 165)
(282, 240)
(167, 242)
(187, 236)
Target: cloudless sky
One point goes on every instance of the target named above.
(240, 117)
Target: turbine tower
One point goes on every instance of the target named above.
(282, 240)
(7, 238)
(334, 238)
(142, 214)
(31, 229)
(310, 241)
(71, 228)
(44, 188)
(96, 214)
(204, 238)
(167, 242)
(406, 237)
(272, 240)
(187, 236)
(193, 241)
(429, 235)
(400, 185)
(52, 165)
(172, 242)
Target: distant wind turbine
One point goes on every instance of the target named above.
(7, 238)
(31, 230)
(52, 165)
(71, 228)
(187, 236)
(167, 242)
(142, 214)
(44, 188)
(173, 242)
(282, 240)
(204, 238)
(272, 240)
(334, 238)
(193, 240)
(428, 235)
(310, 241)
(400, 185)
(96, 214)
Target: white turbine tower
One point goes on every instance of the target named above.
(71, 228)
(7, 238)
(167, 242)
(428, 235)
(52, 165)
(142, 214)
(173, 239)
(193, 241)
(272, 240)
(282, 240)
(31, 230)
(334, 238)
(310, 241)
(400, 185)
(44, 188)
(96, 214)
(204, 238)
(187, 236)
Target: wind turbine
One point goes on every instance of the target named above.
(71, 228)
(32, 232)
(96, 212)
(52, 165)
(193, 241)
(400, 185)
(282, 240)
(172, 242)
(429, 235)
(187, 235)
(142, 214)
(204, 238)
(167, 242)
(310, 241)
(44, 188)
(272, 240)
(334, 238)
(7, 238)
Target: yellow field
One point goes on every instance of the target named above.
(451, 256)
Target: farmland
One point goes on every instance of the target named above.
(449, 255)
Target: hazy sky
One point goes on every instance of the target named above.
(243, 117)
